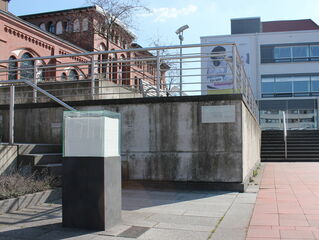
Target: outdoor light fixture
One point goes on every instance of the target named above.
(179, 32)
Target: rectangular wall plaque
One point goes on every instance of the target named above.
(219, 114)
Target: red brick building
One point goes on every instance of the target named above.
(67, 32)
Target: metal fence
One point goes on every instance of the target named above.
(129, 73)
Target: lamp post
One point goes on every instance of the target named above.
(179, 32)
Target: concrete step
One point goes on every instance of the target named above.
(26, 148)
(54, 169)
(290, 159)
(39, 159)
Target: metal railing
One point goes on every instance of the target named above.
(12, 101)
(129, 73)
(284, 122)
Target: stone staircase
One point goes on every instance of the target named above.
(40, 157)
(302, 145)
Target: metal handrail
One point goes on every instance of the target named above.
(285, 133)
(12, 97)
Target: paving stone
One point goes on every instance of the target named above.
(226, 234)
(66, 234)
(196, 228)
(194, 220)
(116, 230)
(160, 234)
(134, 232)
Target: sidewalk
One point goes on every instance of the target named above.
(155, 215)
(287, 205)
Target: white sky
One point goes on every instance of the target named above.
(205, 17)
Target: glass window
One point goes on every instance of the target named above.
(51, 27)
(42, 26)
(283, 85)
(59, 28)
(85, 24)
(301, 84)
(12, 73)
(63, 77)
(300, 52)
(76, 25)
(282, 52)
(268, 87)
(73, 75)
(27, 67)
(314, 51)
(314, 83)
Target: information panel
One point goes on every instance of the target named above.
(219, 114)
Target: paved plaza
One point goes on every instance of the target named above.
(286, 207)
(146, 215)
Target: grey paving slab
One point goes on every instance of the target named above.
(193, 220)
(66, 234)
(173, 234)
(116, 230)
(162, 215)
(226, 234)
(207, 213)
(189, 227)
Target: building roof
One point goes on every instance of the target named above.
(81, 9)
(42, 31)
(290, 25)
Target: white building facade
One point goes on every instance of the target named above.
(282, 61)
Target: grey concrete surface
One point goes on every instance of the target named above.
(8, 157)
(164, 139)
(29, 200)
(147, 215)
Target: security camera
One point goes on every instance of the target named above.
(181, 29)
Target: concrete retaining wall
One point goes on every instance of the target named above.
(69, 91)
(30, 200)
(251, 139)
(8, 158)
(163, 139)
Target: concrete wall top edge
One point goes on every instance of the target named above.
(229, 97)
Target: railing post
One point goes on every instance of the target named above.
(285, 133)
(35, 82)
(234, 68)
(92, 77)
(158, 73)
(11, 115)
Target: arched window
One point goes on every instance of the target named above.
(27, 67)
(73, 75)
(66, 26)
(59, 28)
(85, 25)
(51, 27)
(76, 25)
(42, 26)
(63, 77)
(12, 69)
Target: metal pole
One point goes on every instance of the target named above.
(35, 81)
(11, 115)
(92, 77)
(234, 68)
(49, 95)
(285, 133)
(158, 73)
(180, 66)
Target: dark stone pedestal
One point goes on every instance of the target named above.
(91, 194)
